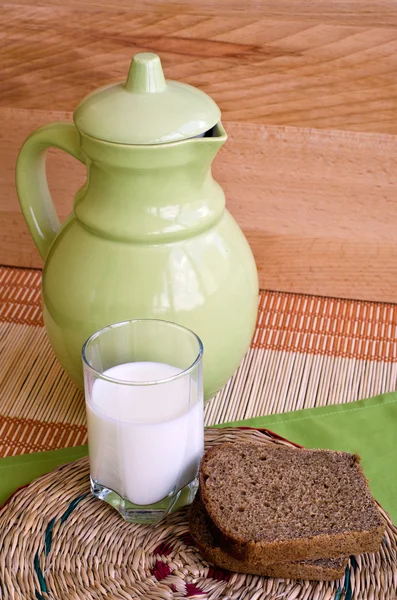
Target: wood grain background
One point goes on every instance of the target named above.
(308, 93)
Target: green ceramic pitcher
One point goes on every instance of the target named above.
(149, 235)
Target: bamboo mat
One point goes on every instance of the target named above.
(307, 351)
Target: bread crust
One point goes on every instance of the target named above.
(321, 570)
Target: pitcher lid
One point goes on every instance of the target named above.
(146, 109)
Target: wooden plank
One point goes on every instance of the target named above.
(318, 207)
(306, 65)
(348, 12)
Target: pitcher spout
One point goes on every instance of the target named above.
(203, 149)
(216, 136)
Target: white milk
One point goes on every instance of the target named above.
(144, 441)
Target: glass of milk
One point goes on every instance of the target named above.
(144, 400)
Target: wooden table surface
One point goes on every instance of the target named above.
(308, 93)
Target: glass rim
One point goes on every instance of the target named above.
(110, 379)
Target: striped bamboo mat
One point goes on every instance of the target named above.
(307, 351)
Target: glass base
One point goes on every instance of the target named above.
(151, 513)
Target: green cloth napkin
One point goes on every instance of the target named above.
(368, 427)
(17, 471)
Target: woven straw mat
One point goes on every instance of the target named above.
(62, 544)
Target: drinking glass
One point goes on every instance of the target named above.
(144, 400)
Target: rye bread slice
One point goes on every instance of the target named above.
(278, 504)
(319, 570)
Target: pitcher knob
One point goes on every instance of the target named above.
(145, 74)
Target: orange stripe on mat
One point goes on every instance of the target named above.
(20, 296)
(22, 436)
(327, 326)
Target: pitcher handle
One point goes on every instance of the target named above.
(31, 181)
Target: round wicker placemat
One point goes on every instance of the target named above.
(58, 543)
